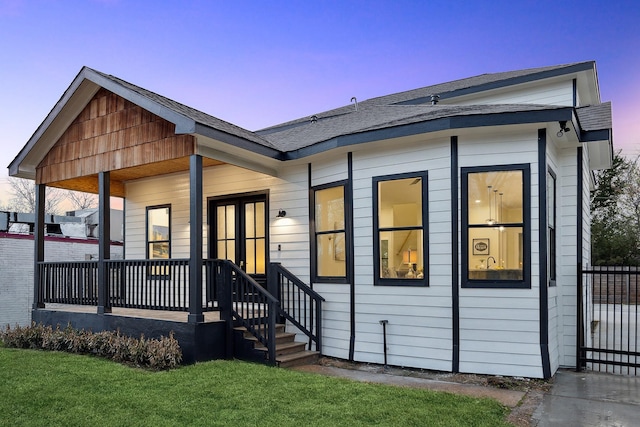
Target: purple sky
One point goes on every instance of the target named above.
(259, 63)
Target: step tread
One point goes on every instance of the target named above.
(279, 335)
(284, 348)
(300, 358)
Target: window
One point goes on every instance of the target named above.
(330, 233)
(158, 235)
(399, 221)
(495, 231)
(551, 224)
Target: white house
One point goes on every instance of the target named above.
(454, 218)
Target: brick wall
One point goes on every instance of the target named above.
(16, 270)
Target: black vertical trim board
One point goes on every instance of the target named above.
(104, 240)
(195, 240)
(455, 288)
(351, 265)
(542, 250)
(579, 249)
(38, 237)
(575, 92)
(313, 261)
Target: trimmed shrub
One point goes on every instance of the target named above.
(155, 354)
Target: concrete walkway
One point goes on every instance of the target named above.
(509, 398)
(576, 399)
(590, 399)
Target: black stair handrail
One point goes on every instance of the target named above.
(298, 303)
(245, 303)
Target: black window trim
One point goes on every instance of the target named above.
(150, 273)
(382, 281)
(525, 283)
(348, 234)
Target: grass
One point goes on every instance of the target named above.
(58, 389)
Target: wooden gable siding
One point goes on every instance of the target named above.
(113, 134)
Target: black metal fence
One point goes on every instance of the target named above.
(611, 341)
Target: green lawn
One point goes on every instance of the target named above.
(48, 388)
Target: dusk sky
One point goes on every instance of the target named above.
(259, 63)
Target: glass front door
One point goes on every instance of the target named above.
(239, 233)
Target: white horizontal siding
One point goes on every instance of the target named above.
(324, 171)
(500, 328)
(550, 93)
(567, 255)
(419, 318)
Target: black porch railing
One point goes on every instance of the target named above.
(610, 319)
(299, 304)
(243, 302)
(69, 282)
(141, 284)
(164, 285)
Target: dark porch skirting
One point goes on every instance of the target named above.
(199, 342)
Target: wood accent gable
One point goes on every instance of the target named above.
(113, 134)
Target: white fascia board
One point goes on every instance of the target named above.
(228, 155)
(599, 154)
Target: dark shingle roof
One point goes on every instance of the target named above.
(448, 89)
(192, 113)
(373, 117)
(595, 117)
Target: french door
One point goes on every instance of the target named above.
(238, 232)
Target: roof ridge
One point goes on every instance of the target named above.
(190, 112)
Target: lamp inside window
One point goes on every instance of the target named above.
(410, 257)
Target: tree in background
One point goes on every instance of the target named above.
(23, 198)
(615, 210)
(23, 192)
(80, 200)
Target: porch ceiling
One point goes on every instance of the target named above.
(89, 183)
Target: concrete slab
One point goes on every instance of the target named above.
(590, 399)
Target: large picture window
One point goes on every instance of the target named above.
(330, 233)
(400, 227)
(496, 226)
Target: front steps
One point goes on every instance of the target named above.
(289, 353)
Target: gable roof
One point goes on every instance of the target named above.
(87, 83)
(451, 89)
(388, 116)
(373, 123)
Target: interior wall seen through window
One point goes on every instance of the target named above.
(330, 232)
(400, 229)
(495, 225)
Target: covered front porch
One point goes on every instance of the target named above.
(114, 139)
(138, 301)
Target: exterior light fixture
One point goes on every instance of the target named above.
(281, 213)
(563, 128)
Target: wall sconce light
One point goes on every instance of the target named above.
(563, 128)
(281, 213)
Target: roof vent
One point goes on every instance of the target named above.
(434, 99)
(314, 119)
(354, 100)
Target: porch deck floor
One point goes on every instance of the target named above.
(173, 316)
